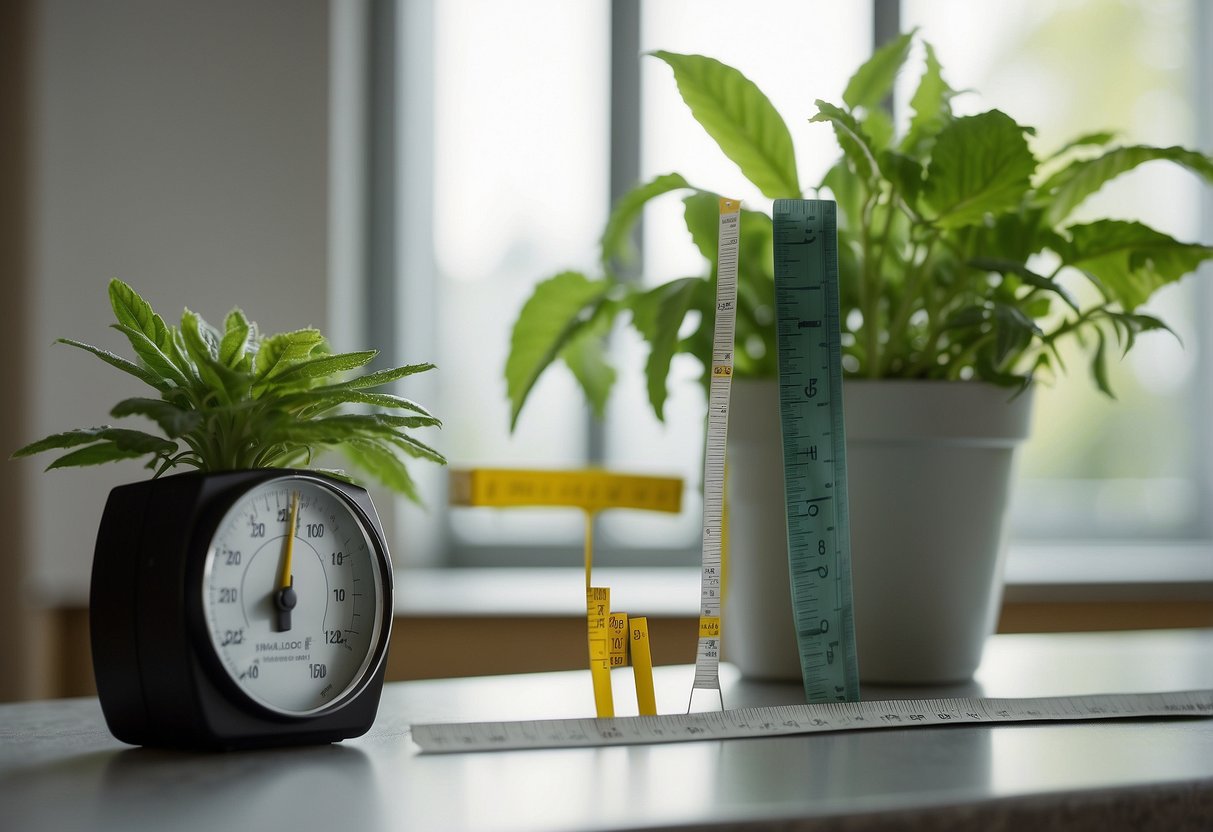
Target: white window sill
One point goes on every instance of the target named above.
(1075, 572)
(1035, 572)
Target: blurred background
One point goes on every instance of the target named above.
(401, 173)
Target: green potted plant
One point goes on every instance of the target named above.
(257, 586)
(234, 399)
(956, 247)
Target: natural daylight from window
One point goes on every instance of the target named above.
(536, 138)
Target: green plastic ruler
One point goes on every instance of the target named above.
(814, 446)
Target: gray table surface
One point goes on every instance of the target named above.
(60, 768)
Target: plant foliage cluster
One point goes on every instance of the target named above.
(234, 399)
(954, 239)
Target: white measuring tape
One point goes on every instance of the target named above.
(804, 719)
(707, 654)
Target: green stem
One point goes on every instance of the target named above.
(914, 277)
(870, 295)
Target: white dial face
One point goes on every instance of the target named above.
(294, 617)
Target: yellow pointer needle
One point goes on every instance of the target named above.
(284, 593)
(284, 578)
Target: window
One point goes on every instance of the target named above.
(523, 166)
(1090, 469)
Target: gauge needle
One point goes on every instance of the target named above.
(284, 591)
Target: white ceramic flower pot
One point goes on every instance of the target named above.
(930, 466)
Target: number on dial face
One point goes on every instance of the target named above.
(293, 595)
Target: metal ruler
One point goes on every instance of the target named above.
(707, 654)
(814, 446)
(805, 719)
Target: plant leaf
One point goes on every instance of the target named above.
(1014, 235)
(327, 365)
(1129, 261)
(131, 442)
(67, 439)
(152, 356)
(966, 317)
(1096, 139)
(173, 420)
(616, 239)
(850, 137)
(1099, 365)
(141, 373)
(96, 454)
(701, 213)
(980, 165)
(904, 172)
(280, 352)
(417, 448)
(332, 430)
(932, 106)
(846, 188)
(658, 315)
(323, 398)
(1069, 187)
(741, 119)
(1013, 331)
(133, 311)
(383, 464)
(995, 264)
(235, 339)
(203, 347)
(551, 317)
(874, 79)
(379, 378)
(988, 371)
(585, 355)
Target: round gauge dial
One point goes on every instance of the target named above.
(293, 595)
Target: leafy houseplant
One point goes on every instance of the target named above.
(235, 399)
(958, 257)
(955, 239)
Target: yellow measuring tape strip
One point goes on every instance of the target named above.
(642, 667)
(591, 491)
(598, 606)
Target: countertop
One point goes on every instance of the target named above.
(60, 768)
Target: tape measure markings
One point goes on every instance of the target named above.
(617, 633)
(809, 344)
(598, 606)
(707, 654)
(590, 491)
(783, 720)
(642, 666)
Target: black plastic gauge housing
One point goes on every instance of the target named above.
(158, 677)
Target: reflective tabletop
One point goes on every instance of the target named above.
(60, 768)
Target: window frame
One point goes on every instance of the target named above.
(429, 540)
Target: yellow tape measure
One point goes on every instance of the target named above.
(611, 637)
(590, 491)
(598, 606)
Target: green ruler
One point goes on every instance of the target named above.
(814, 446)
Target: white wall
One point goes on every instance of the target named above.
(183, 147)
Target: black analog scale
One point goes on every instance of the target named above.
(240, 609)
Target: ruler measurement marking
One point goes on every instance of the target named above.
(808, 338)
(784, 720)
